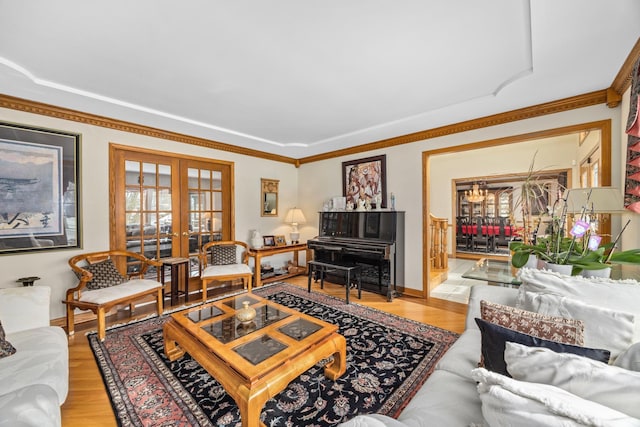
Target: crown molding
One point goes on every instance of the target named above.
(34, 107)
(623, 79)
(579, 101)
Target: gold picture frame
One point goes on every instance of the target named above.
(280, 240)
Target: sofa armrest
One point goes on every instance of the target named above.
(24, 307)
(496, 294)
(35, 405)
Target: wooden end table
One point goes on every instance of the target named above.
(256, 361)
(266, 251)
(176, 264)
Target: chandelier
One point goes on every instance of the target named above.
(475, 195)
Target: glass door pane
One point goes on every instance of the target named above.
(148, 209)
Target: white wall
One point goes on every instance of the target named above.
(319, 181)
(52, 266)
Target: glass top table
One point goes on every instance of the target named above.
(495, 272)
(499, 272)
(255, 360)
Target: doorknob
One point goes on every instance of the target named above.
(175, 234)
(185, 233)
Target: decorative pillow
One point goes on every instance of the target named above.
(604, 328)
(105, 274)
(494, 338)
(617, 295)
(507, 402)
(224, 255)
(610, 386)
(553, 328)
(630, 358)
(6, 349)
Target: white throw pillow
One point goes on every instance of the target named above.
(603, 328)
(630, 358)
(610, 386)
(617, 295)
(508, 402)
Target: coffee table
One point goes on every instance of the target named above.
(255, 361)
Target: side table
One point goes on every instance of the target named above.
(176, 264)
(265, 251)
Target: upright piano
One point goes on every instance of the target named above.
(373, 240)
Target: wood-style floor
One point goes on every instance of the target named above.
(88, 404)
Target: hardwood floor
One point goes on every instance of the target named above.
(88, 404)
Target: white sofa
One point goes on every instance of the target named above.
(34, 381)
(451, 397)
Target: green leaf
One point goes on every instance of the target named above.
(519, 259)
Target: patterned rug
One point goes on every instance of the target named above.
(388, 359)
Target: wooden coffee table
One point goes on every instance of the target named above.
(257, 361)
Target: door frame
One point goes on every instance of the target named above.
(605, 154)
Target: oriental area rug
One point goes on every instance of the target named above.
(388, 359)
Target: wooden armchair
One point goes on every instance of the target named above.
(223, 261)
(102, 285)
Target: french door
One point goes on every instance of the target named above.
(164, 205)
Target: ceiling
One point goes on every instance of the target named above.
(300, 78)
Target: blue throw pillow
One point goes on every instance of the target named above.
(494, 338)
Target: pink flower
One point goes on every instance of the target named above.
(579, 229)
(594, 242)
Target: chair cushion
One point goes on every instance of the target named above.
(105, 274)
(223, 255)
(112, 293)
(6, 349)
(226, 270)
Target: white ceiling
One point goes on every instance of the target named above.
(299, 78)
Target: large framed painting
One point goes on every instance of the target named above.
(39, 172)
(364, 180)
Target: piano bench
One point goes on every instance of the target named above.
(351, 271)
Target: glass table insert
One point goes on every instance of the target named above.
(495, 272)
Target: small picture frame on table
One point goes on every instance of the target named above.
(269, 240)
(280, 241)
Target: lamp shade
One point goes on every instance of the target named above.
(295, 216)
(595, 199)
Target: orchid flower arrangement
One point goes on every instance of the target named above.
(582, 247)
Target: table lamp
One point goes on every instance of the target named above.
(295, 217)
